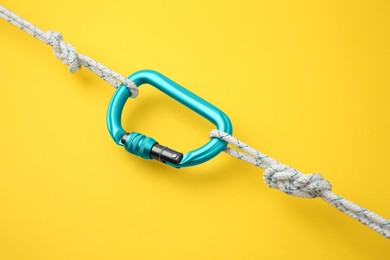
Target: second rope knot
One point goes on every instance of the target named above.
(293, 182)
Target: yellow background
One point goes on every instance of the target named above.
(306, 82)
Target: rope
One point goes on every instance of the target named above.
(67, 53)
(293, 182)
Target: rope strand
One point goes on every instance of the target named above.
(293, 182)
(67, 53)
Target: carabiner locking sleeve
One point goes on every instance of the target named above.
(147, 147)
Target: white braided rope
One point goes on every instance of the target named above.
(67, 53)
(293, 182)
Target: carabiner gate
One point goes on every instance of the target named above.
(147, 147)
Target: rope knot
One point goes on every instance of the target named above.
(293, 182)
(63, 51)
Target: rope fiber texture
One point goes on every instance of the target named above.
(67, 53)
(293, 182)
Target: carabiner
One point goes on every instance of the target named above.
(147, 147)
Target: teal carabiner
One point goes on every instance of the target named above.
(147, 147)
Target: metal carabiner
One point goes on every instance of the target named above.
(147, 147)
